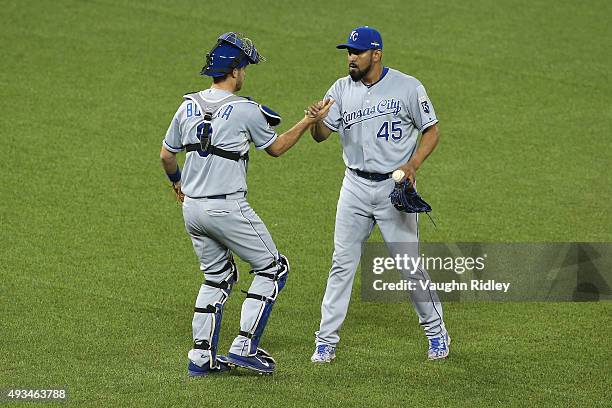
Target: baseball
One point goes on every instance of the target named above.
(398, 175)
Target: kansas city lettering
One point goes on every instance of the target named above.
(383, 107)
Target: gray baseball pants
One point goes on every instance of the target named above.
(362, 204)
(218, 228)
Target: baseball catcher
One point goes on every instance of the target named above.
(215, 128)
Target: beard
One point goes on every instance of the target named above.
(239, 83)
(357, 74)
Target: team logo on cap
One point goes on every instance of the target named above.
(354, 35)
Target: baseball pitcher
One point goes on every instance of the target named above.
(378, 113)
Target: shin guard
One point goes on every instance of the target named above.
(207, 320)
(260, 299)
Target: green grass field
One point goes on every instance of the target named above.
(99, 277)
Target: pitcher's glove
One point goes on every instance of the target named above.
(404, 197)
(177, 190)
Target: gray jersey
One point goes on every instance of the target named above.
(379, 124)
(233, 127)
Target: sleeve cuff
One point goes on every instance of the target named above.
(171, 148)
(428, 124)
(331, 127)
(268, 143)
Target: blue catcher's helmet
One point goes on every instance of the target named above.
(231, 51)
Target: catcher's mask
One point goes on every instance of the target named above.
(232, 51)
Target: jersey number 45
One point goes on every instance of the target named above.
(396, 130)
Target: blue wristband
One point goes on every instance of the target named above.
(176, 176)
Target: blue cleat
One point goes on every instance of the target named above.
(439, 347)
(194, 370)
(324, 353)
(262, 362)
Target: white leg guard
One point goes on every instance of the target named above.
(208, 312)
(258, 304)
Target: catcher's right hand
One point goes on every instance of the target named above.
(177, 190)
(318, 110)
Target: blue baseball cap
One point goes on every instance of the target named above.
(363, 38)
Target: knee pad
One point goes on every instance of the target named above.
(215, 311)
(277, 271)
(283, 273)
(257, 319)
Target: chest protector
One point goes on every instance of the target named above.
(208, 110)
